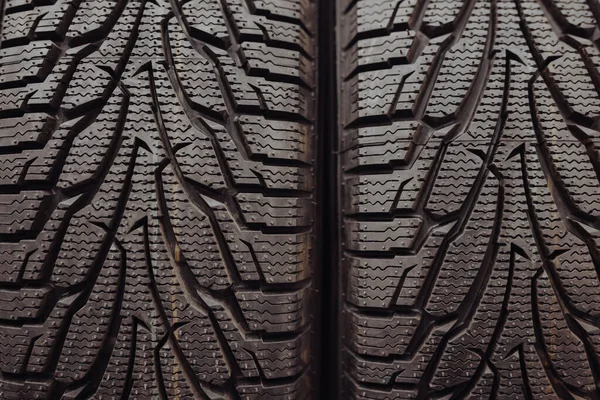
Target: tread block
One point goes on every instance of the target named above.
(476, 120)
(156, 199)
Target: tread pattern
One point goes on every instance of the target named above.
(156, 199)
(469, 179)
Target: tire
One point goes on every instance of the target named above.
(469, 175)
(156, 199)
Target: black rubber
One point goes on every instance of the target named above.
(285, 199)
(469, 190)
(156, 199)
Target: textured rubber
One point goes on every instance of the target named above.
(470, 186)
(156, 199)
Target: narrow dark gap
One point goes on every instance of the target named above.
(327, 206)
(2, 11)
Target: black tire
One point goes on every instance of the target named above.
(469, 185)
(155, 199)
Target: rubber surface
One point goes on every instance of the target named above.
(156, 199)
(469, 184)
